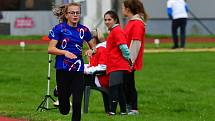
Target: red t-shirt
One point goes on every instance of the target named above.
(135, 30)
(116, 61)
(100, 57)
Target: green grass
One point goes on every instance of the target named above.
(16, 37)
(147, 45)
(171, 86)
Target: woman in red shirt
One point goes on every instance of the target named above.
(135, 31)
(117, 58)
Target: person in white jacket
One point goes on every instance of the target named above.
(97, 64)
(177, 11)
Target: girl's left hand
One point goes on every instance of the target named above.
(89, 53)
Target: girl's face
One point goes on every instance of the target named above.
(109, 21)
(73, 15)
(124, 10)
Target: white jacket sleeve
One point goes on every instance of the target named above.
(92, 69)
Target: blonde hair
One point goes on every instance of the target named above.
(61, 10)
(98, 35)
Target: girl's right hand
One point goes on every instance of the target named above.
(70, 55)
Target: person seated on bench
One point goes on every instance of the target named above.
(96, 69)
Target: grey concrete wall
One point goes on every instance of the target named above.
(160, 24)
(163, 26)
(157, 24)
(42, 22)
(201, 8)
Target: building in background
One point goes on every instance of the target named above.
(160, 24)
(26, 17)
(17, 5)
(34, 17)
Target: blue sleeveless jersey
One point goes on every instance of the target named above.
(70, 39)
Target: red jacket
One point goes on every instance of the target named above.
(100, 58)
(116, 61)
(135, 30)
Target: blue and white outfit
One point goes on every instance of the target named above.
(69, 72)
(177, 11)
(70, 39)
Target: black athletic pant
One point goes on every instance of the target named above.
(130, 90)
(70, 83)
(179, 23)
(106, 101)
(117, 91)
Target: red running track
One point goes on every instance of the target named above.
(148, 40)
(10, 119)
(27, 42)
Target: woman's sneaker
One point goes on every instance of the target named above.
(133, 112)
(111, 113)
(123, 113)
(56, 103)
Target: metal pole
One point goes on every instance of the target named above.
(48, 87)
(200, 22)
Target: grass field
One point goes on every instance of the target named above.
(172, 87)
(17, 37)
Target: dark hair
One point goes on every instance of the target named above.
(61, 10)
(136, 7)
(113, 15)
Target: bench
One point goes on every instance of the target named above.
(88, 85)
